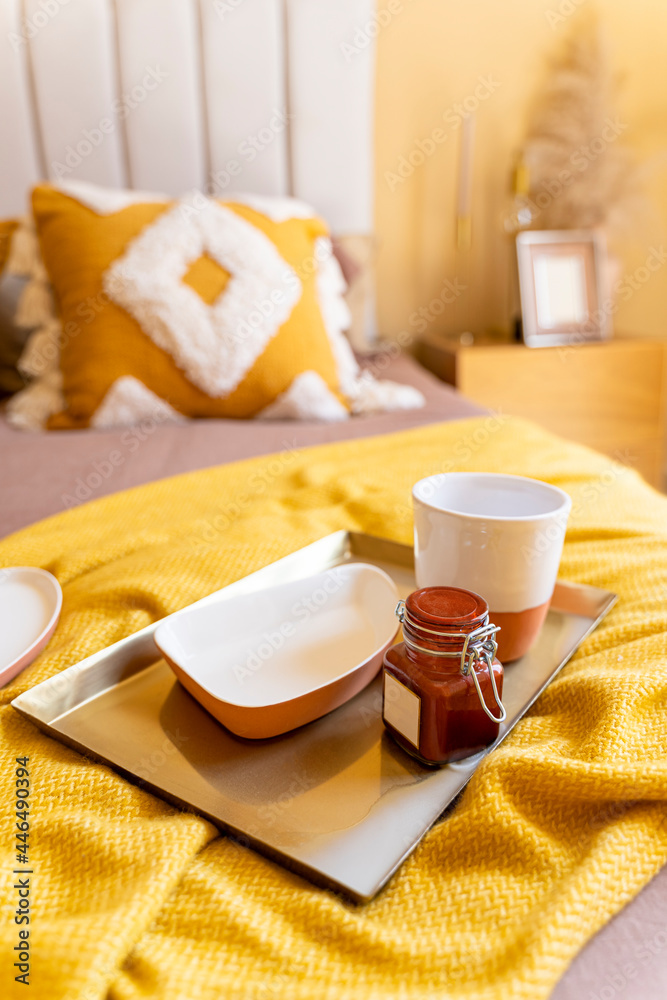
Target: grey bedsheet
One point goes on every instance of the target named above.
(40, 473)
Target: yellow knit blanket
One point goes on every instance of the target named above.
(560, 827)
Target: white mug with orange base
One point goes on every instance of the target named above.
(499, 536)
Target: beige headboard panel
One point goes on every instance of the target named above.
(269, 96)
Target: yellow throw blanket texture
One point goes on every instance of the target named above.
(559, 828)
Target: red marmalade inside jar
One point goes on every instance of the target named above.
(430, 707)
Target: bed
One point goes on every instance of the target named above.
(228, 67)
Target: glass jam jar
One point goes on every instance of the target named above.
(443, 684)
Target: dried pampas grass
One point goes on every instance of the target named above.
(582, 175)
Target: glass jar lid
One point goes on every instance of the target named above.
(447, 606)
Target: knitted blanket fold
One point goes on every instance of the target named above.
(559, 828)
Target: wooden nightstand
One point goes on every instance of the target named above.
(610, 396)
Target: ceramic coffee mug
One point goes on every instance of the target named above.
(500, 536)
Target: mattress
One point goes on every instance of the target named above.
(44, 473)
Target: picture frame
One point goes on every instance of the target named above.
(560, 287)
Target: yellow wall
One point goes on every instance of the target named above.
(431, 55)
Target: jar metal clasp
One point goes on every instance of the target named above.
(480, 644)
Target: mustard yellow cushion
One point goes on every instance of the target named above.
(190, 308)
(7, 227)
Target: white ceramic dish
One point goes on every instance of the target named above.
(30, 603)
(267, 662)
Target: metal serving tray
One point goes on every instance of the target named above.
(336, 801)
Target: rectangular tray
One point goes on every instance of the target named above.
(336, 801)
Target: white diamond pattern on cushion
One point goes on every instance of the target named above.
(308, 398)
(106, 201)
(215, 345)
(128, 402)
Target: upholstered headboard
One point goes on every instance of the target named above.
(269, 96)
